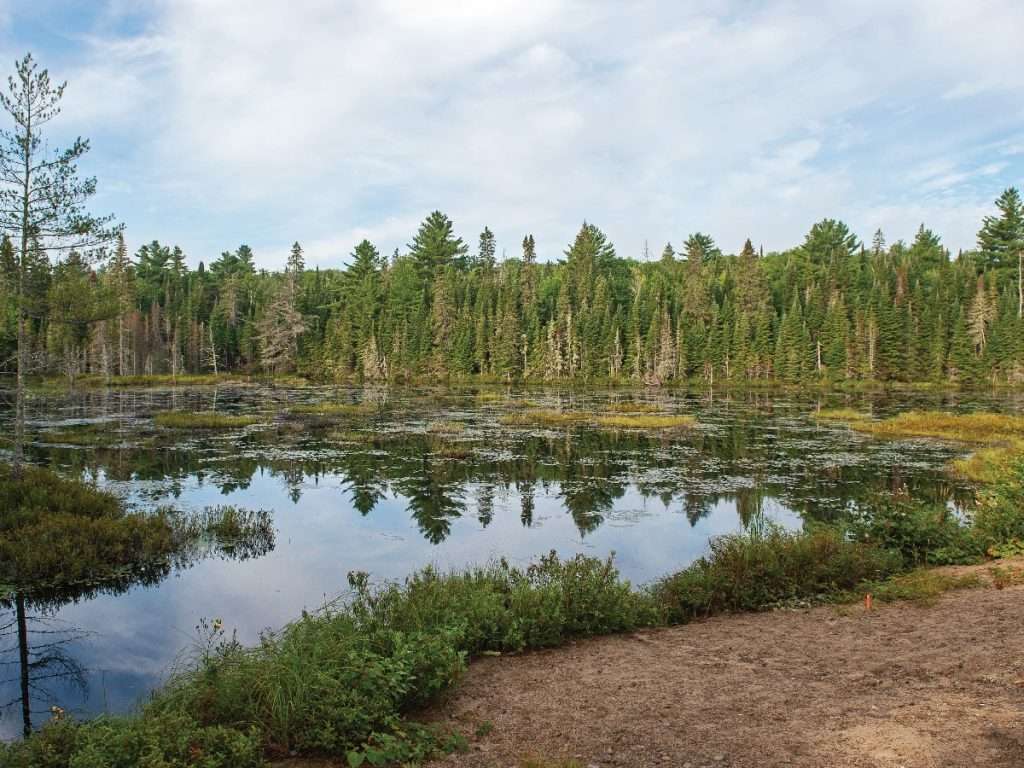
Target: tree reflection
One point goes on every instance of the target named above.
(587, 469)
(41, 655)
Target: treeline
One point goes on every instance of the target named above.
(831, 309)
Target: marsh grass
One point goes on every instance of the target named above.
(647, 421)
(1002, 436)
(445, 427)
(987, 465)
(544, 417)
(332, 409)
(83, 435)
(491, 397)
(840, 414)
(963, 427)
(203, 420)
(634, 407)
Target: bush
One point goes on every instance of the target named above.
(746, 572)
(999, 514)
(922, 533)
(153, 741)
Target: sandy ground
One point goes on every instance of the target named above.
(902, 685)
(918, 686)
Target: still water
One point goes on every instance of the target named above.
(430, 477)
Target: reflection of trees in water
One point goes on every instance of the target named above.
(435, 498)
(591, 469)
(37, 667)
(41, 654)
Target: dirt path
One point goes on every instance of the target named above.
(904, 685)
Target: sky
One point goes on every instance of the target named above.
(216, 122)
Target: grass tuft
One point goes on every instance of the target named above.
(202, 420)
(963, 427)
(331, 409)
(632, 406)
(647, 421)
(840, 414)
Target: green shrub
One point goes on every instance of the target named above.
(172, 740)
(923, 533)
(999, 514)
(750, 572)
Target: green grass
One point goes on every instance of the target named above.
(82, 435)
(632, 406)
(840, 414)
(332, 409)
(544, 417)
(1001, 435)
(445, 427)
(922, 586)
(963, 427)
(203, 420)
(647, 421)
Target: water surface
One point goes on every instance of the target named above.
(391, 491)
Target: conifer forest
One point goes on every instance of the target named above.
(833, 308)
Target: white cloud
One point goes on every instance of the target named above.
(328, 121)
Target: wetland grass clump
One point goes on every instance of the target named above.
(83, 435)
(332, 409)
(840, 414)
(57, 532)
(203, 420)
(445, 427)
(548, 417)
(632, 406)
(647, 421)
(980, 427)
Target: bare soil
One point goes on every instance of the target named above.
(900, 685)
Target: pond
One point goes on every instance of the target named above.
(418, 477)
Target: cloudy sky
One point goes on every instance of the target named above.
(217, 122)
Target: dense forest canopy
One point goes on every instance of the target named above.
(830, 309)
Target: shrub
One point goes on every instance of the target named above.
(922, 533)
(999, 514)
(171, 740)
(750, 572)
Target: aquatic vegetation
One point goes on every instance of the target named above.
(632, 406)
(203, 420)
(95, 381)
(647, 421)
(544, 417)
(1003, 433)
(964, 427)
(101, 433)
(57, 532)
(491, 397)
(332, 409)
(446, 427)
(840, 414)
(987, 465)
